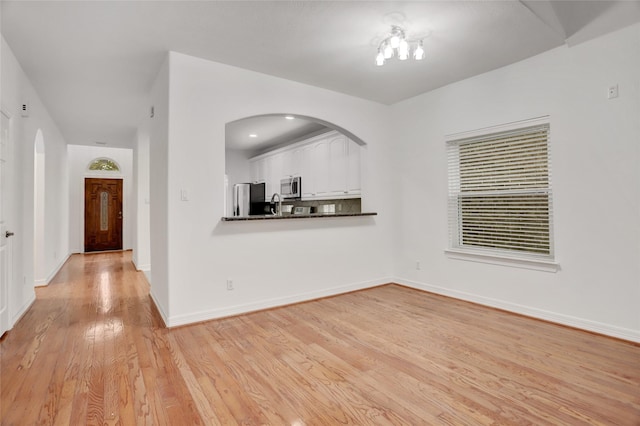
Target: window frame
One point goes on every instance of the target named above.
(103, 159)
(493, 255)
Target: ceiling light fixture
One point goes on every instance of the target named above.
(418, 52)
(253, 135)
(396, 43)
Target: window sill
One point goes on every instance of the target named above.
(494, 259)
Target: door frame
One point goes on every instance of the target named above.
(99, 175)
(9, 180)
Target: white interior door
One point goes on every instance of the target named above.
(5, 233)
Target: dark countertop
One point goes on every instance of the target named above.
(294, 216)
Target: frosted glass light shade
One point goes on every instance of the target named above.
(394, 41)
(418, 54)
(388, 51)
(403, 50)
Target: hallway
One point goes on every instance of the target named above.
(92, 350)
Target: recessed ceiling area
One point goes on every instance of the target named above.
(270, 131)
(92, 63)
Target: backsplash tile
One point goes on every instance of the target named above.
(350, 205)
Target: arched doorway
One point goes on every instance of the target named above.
(312, 162)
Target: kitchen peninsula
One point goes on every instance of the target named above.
(301, 209)
(295, 216)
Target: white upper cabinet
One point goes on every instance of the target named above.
(274, 175)
(292, 162)
(257, 170)
(329, 165)
(262, 170)
(308, 172)
(338, 163)
(353, 167)
(320, 157)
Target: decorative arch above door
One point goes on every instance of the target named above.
(103, 164)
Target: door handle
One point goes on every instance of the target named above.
(119, 215)
(9, 234)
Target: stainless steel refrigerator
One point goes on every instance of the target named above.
(248, 199)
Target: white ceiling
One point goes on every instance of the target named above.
(93, 62)
(270, 131)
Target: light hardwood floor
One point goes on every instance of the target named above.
(92, 350)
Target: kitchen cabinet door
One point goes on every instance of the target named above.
(257, 171)
(337, 166)
(292, 163)
(308, 172)
(262, 171)
(353, 167)
(274, 174)
(321, 157)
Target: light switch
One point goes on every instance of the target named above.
(184, 195)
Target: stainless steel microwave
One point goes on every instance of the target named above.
(291, 187)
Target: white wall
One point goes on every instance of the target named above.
(16, 89)
(595, 149)
(79, 158)
(270, 262)
(596, 183)
(159, 177)
(40, 273)
(237, 166)
(140, 209)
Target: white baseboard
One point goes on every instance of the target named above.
(23, 309)
(145, 267)
(160, 308)
(271, 303)
(57, 268)
(581, 323)
(41, 282)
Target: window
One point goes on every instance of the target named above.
(104, 164)
(500, 192)
(104, 211)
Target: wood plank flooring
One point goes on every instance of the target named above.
(91, 350)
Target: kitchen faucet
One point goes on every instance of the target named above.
(278, 211)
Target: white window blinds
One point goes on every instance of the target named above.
(500, 192)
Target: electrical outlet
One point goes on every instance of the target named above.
(612, 92)
(417, 265)
(229, 284)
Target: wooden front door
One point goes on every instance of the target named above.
(102, 214)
